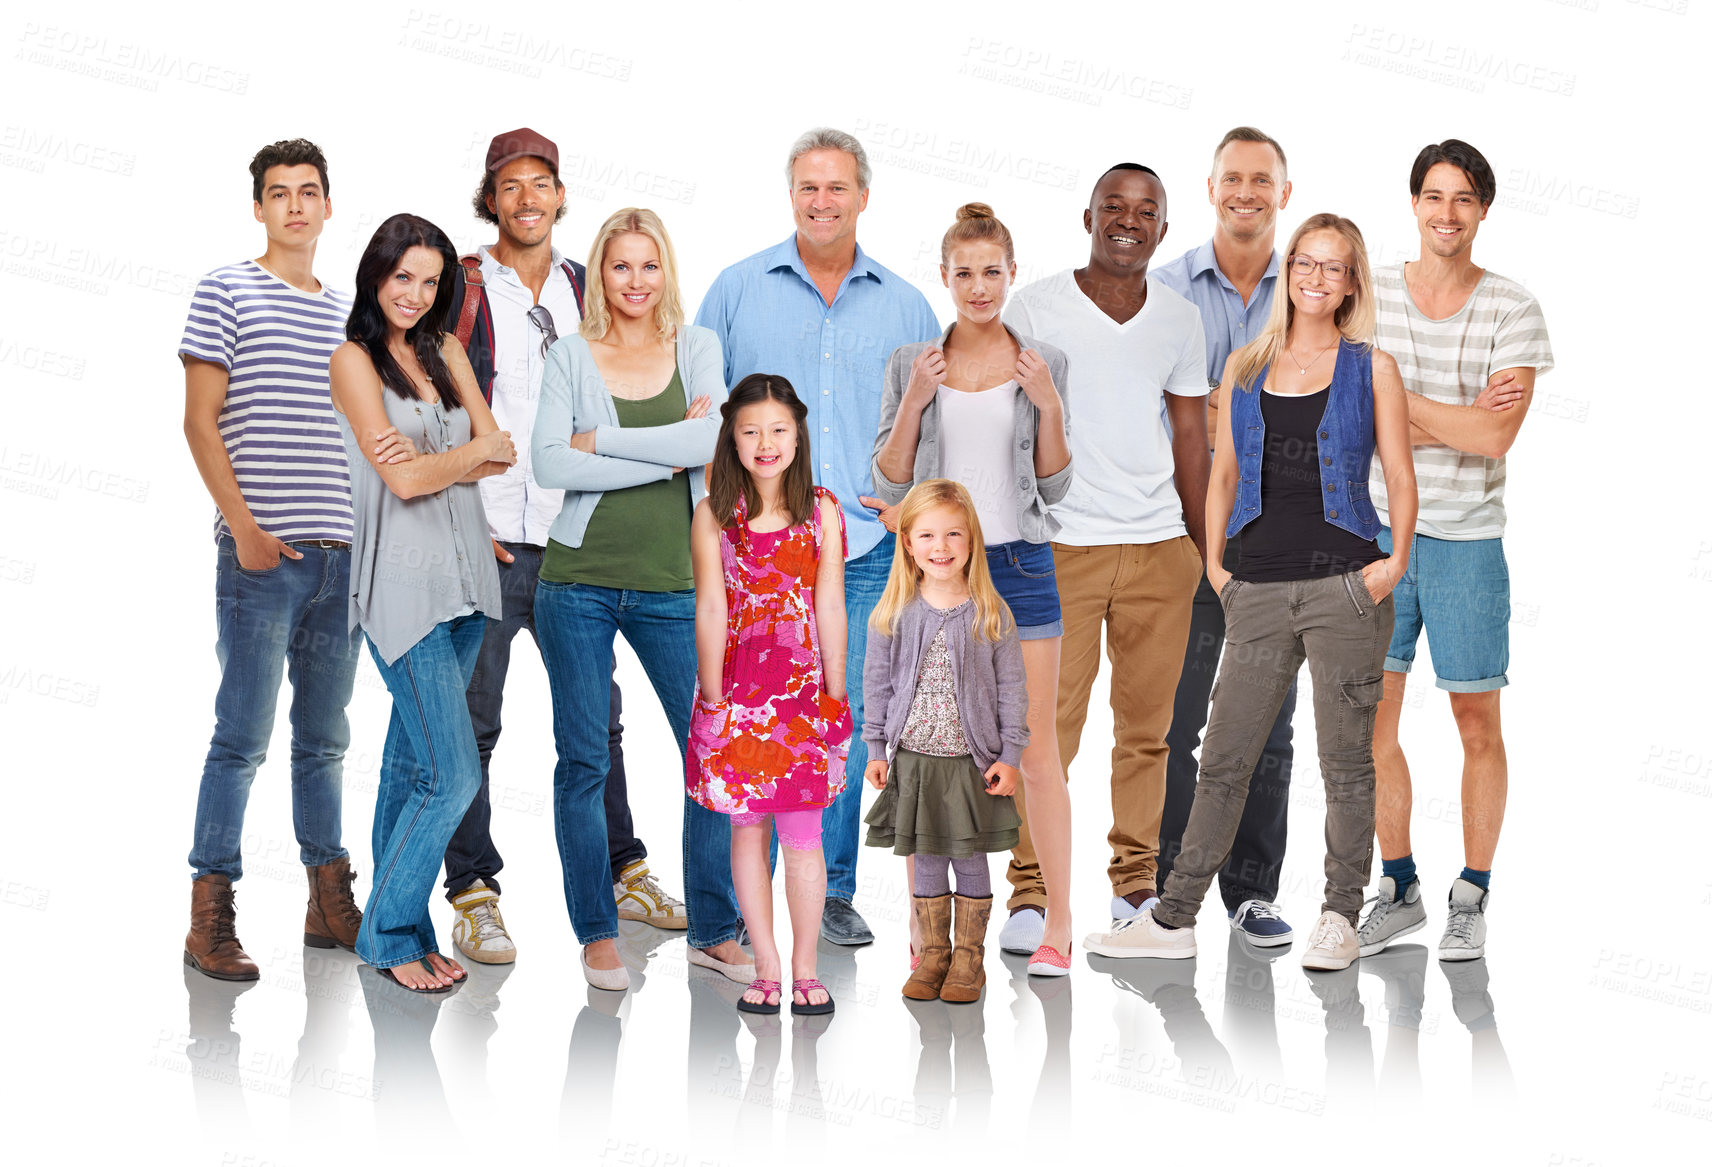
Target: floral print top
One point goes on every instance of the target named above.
(776, 742)
(933, 726)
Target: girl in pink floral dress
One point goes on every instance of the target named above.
(771, 724)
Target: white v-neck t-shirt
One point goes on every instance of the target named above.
(1120, 444)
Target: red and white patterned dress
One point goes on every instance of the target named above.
(776, 742)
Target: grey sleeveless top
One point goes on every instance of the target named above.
(416, 562)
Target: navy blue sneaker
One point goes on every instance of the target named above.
(1259, 923)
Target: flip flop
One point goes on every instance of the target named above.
(463, 973)
(804, 986)
(393, 977)
(766, 989)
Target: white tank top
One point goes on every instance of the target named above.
(977, 436)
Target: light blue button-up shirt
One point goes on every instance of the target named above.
(1227, 322)
(771, 318)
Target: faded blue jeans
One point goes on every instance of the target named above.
(576, 624)
(429, 772)
(290, 619)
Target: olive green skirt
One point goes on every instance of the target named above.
(940, 806)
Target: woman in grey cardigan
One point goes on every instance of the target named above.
(985, 407)
(624, 429)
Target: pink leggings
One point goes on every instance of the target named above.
(798, 829)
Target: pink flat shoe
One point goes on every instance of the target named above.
(1047, 961)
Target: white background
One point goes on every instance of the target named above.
(127, 132)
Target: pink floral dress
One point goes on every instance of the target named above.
(776, 742)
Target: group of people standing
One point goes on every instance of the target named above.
(846, 543)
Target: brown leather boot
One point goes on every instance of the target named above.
(933, 913)
(333, 917)
(212, 947)
(968, 972)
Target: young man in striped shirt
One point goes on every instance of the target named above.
(1469, 343)
(260, 424)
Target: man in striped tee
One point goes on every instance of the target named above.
(259, 421)
(1469, 343)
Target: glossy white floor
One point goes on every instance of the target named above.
(123, 165)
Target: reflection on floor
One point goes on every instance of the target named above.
(747, 1087)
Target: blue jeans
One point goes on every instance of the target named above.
(841, 825)
(1458, 592)
(472, 854)
(429, 771)
(293, 617)
(576, 624)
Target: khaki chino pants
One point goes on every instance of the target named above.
(1141, 594)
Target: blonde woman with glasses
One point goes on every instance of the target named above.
(624, 428)
(1303, 409)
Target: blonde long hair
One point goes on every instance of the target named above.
(1356, 317)
(669, 312)
(992, 615)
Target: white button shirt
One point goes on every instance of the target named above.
(519, 510)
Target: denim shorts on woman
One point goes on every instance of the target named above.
(1026, 580)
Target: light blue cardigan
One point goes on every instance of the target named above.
(574, 399)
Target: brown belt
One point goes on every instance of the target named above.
(324, 544)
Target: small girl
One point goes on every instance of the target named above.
(771, 725)
(947, 702)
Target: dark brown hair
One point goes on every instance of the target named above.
(1462, 156)
(726, 477)
(290, 152)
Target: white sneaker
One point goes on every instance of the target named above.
(1023, 932)
(477, 927)
(1333, 944)
(639, 897)
(1465, 928)
(1123, 910)
(1142, 936)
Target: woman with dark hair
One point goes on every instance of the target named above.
(623, 429)
(422, 575)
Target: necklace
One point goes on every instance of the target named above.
(1300, 367)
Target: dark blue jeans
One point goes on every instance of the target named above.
(293, 618)
(428, 774)
(577, 624)
(1257, 856)
(472, 854)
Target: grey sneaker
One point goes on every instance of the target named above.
(1465, 929)
(1023, 932)
(1389, 918)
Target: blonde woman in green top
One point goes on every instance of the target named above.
(624, 428)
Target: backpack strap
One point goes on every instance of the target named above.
(474, 298)
(573, 273)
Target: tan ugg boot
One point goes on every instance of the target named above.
(968, 972)
(933, 913)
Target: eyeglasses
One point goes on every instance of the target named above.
(543, 319)
(1303, 265)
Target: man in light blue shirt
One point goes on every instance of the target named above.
(1231, 278)
(820, 313)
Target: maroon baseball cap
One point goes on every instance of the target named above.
(523, 143)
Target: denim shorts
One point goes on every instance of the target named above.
(1027, 581)
(1458, 592)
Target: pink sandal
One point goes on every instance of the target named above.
(766, 989)
(805, 986)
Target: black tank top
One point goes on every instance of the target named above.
(1291, 538)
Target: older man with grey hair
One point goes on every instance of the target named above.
(819, 312)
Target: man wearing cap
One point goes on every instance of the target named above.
(516, 297)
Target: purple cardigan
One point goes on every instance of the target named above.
(992, 693)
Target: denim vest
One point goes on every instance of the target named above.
(1345, 446)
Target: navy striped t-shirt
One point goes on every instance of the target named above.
(274, 341)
